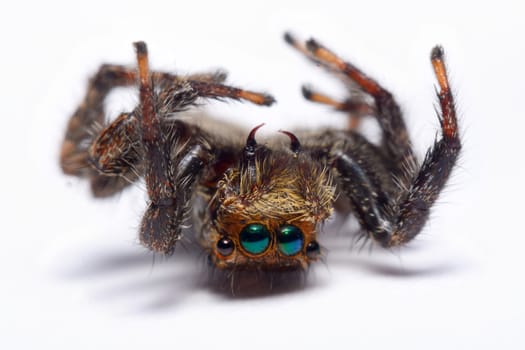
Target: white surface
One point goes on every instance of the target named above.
(74, 276)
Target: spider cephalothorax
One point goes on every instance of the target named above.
(267, 211)
(259, 206)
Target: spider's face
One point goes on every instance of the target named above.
(267, 216)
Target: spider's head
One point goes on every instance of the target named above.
(268, 210)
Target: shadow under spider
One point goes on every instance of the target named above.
(170, 280)
(187, 271)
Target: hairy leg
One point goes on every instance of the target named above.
(175, 153)
(108, 154)
(395, 139)
(392, 210)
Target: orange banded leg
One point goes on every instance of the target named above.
(90, 143)
(437, 165)
(446, 100)
(394, 217)
(356, 109)
(213, 90)
(318, 53)
(395, 141)
(89, 118)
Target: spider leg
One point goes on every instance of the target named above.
(175, 152)
(116, 154)
(395, 215)
(363, 176)
(160, 226)
(395, 139)
(213, 90)
(78, 153)
(147, 141)
(90, 114)
(108, 154)
(86, 121)
(355, 108)
(415, 202)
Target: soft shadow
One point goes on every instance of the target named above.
(103, 263)
(398, 270)
(154, 283)
(352, 251)
(157, 283)
(141, 279)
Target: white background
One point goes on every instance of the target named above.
(73, 274)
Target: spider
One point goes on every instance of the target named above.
(259, 205)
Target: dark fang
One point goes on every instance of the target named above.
(295, 145)
(251, 144)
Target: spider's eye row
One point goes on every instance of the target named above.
(225, 246)
(290, 240)
(255, 238)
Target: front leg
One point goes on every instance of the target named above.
(175, 153)
(160, 226)
(394, 218)
(415, 203)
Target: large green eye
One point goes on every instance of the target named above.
(255, 238)
(290, 240)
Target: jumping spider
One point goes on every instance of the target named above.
(252, 205)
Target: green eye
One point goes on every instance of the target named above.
(255, 238)
(290, 240)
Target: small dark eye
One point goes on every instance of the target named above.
(313, 250)
(290, 240)
(225, 246)
(255, 238)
